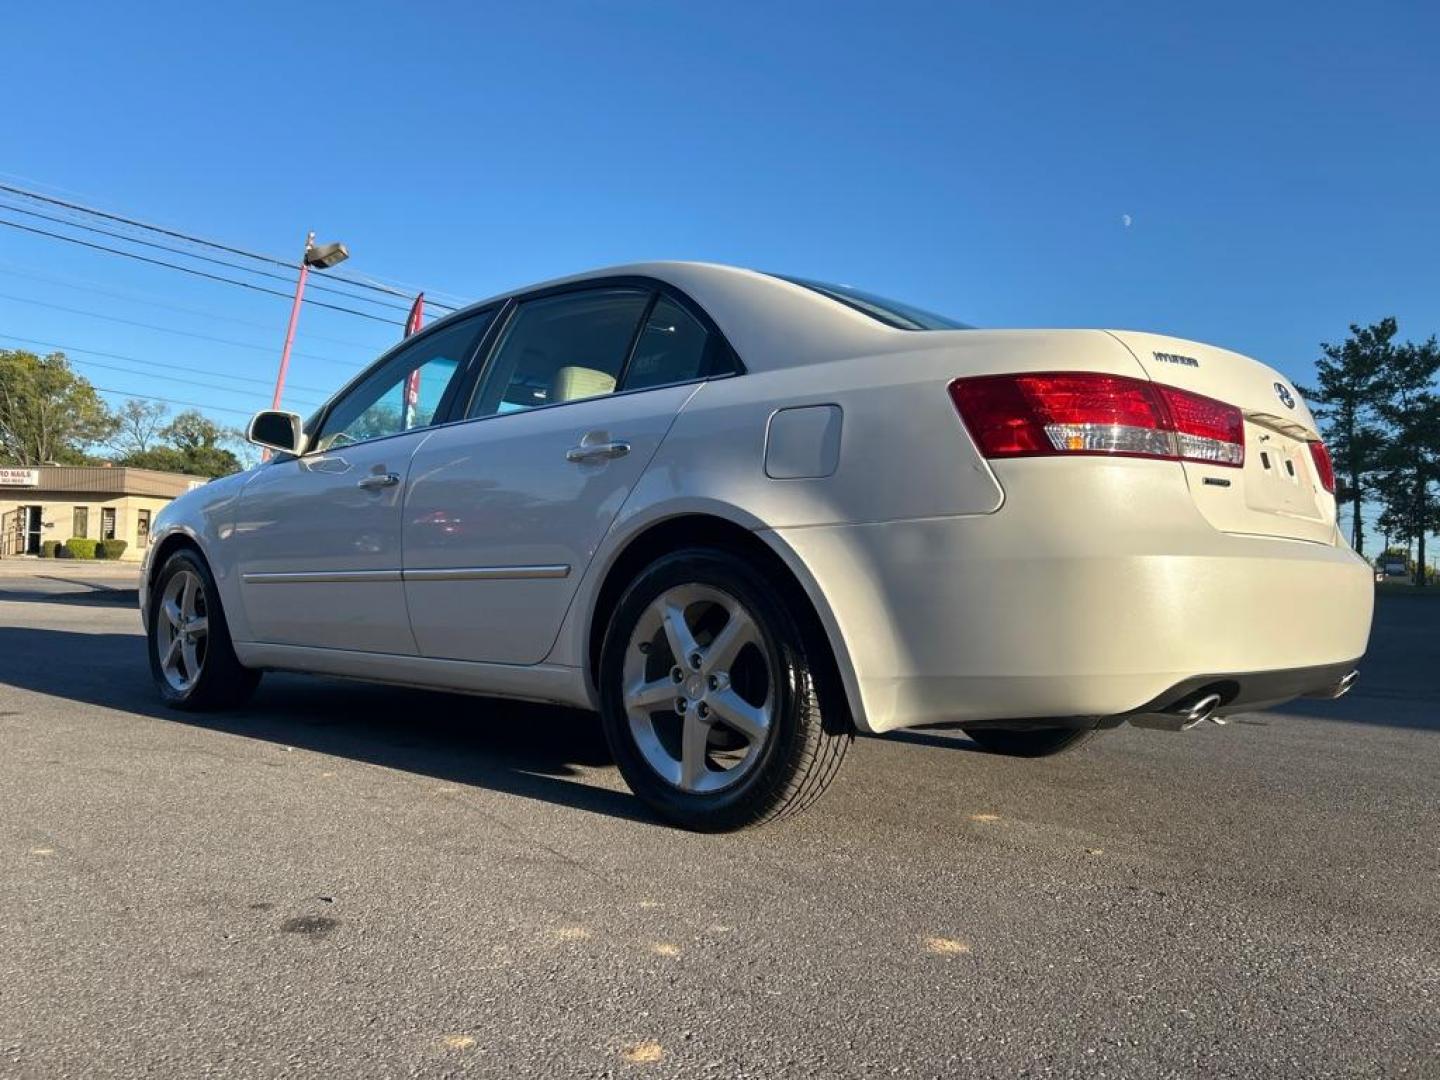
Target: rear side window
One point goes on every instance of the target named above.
(561, 348)
(674, 347)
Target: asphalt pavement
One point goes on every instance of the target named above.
(352, 881)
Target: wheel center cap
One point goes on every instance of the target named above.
(694, 687)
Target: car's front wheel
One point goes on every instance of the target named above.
(711, 696)
(191, 657)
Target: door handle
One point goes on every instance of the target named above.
(375, 481)
(597, 451)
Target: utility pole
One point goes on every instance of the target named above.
(321, 258)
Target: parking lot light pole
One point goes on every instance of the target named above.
(321, 257)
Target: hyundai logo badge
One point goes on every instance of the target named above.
(1283, 393)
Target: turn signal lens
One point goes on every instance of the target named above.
(1089, 413)
(1324, 468)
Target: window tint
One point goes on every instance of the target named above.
(406, 391)
(561, 348)
(672, 348)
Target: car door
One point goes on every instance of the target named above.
(505, 511)
(317, 537)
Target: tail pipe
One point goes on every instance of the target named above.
(1188, 712)
(1182, 716)
(1337, 689)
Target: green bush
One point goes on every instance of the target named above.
(80, 548)
(50, 549)
(110, 549)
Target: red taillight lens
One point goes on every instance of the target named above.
(1324, 468)
(1205, 429)
(1090, 413)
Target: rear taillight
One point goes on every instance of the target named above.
(1324, 468)
(1088, 413)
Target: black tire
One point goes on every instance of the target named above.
(223, 683)
(1036, 742)
(809, 731)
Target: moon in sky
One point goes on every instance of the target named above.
(1126, 220)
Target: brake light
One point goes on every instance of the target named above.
(1089, 413)
(1324, 467)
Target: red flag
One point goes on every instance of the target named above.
(412, 384)
(416, 316)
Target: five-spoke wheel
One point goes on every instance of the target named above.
(191, 656)
(182, 631)
(711, 694)
(699, 692)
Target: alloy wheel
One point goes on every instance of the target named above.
(182, 630)
(699, 690)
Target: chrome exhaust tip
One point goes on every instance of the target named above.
(1338, 689)
(1181, 717)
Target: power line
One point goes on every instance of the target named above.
(172, 401)
(170, 378)
(320, 286)
(361, 282)
(67, 349)
(140, 224)
(166, 329)
(86, 285)
(191, 270)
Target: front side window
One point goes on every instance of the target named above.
(561, 348)
(404, 393)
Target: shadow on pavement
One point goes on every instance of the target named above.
(511, 747)
(941, 736)
(87, 595)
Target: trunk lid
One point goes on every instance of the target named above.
(1277, 492)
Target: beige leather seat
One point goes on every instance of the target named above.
(573, 383)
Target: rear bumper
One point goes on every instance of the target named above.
(1094, 592)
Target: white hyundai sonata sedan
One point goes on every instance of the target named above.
(746, 517)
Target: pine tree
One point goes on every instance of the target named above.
(1411, 458)
(1352, 378)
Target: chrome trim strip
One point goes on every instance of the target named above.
(444, 573)
(487, 573)
(306, 577)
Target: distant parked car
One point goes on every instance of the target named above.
(1395, 567)
(745, 516)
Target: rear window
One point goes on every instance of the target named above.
(890, 312)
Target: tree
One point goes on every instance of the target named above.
(1352, 378)
(47, 412)
(1411, 459)
(138, 425)
(192, 443)
(200, 440)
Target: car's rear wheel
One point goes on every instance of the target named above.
(1035, 742)
(711, 695)
(191, 657)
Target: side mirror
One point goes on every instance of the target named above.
(282, 431)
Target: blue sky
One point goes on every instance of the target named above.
(1279, 163)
